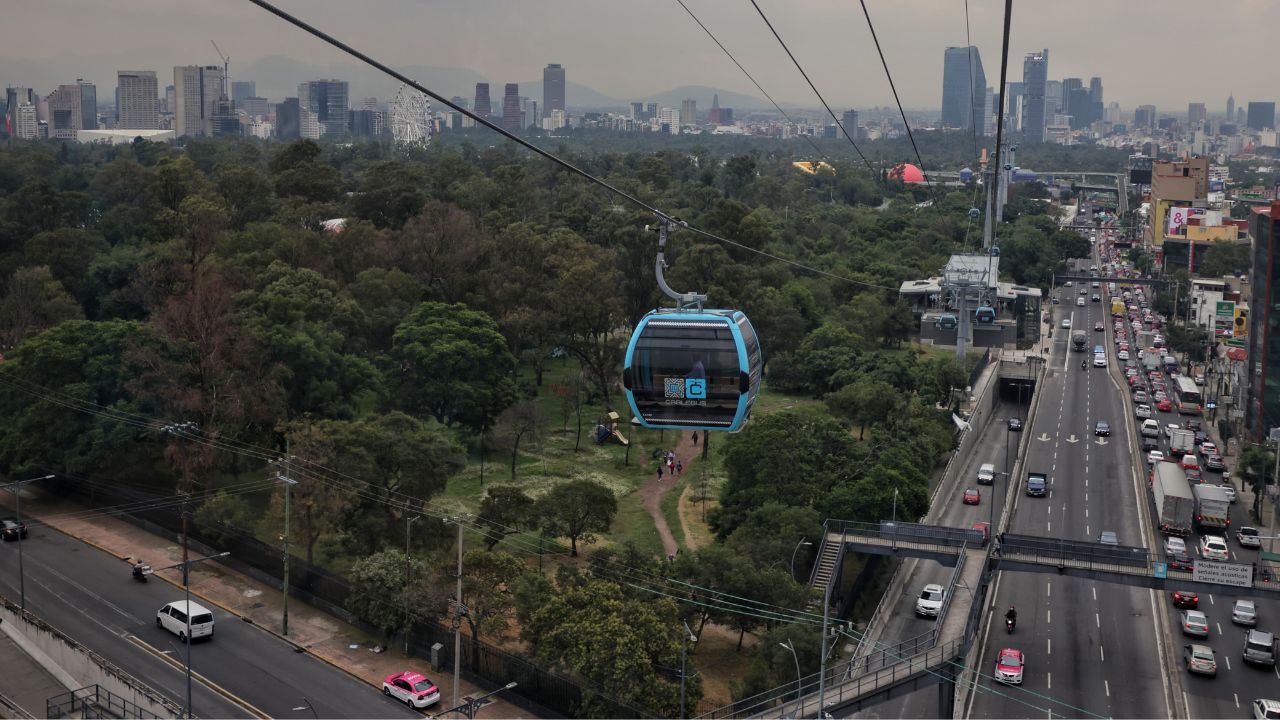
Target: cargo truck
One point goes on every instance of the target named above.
(1182, 442)
(1212, 508)
(1175, 505)
(1079, 341)
(1117, 307)
(1151, 360)
(1037, 484)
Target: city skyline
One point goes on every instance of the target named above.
(519, 41)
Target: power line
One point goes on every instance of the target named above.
(287, 17)
(910, 136)
(752, 79)
(813, 87)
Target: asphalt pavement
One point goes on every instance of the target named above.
(1091, 648)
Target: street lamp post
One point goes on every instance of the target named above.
(685, 639)
(793, 556)
(799, 686)
(16, 489)
(186, 573)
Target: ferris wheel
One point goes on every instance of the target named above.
(410, 118)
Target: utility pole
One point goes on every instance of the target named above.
(284, 586)
(408, 577)
(181, 429)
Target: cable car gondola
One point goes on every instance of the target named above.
(691, 368)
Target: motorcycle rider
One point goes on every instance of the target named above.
(1084, 364)
(1011, 616)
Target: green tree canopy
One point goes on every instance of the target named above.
(577, 510)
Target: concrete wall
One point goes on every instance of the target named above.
(75, 665)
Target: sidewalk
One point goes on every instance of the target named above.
(324, 636)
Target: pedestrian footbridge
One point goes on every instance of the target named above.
(878, 671)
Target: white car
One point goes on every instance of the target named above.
(1080, 302)
(1213, 547)
(1123, 354)
(411, 688)
(1066, 322)
(1174, 545)
(1230, 491)
(929, 604)
(1264, 709)
(1208, 448)
(1142, 412)
(1099, 360)
(1154, 457)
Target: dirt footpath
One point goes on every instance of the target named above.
(655, 489)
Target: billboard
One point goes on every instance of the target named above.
(1177, 218)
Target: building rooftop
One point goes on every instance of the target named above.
(975, 269)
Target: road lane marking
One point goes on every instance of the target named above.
(1048, 616)
(1048, 678)
(1097, 620)
(179, 666)
(1048, 589)
(1219, 627)
(1102, 654)
(1228, 659)
(1237, 697)
(1095, 592)
(1211, 598)
(1107, 686)
(1048, 646)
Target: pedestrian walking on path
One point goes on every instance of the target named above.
(679, 467)
(659, 473)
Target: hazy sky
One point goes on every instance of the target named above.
(1164, 52)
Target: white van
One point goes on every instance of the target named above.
(1150, 428)
(173, 617)
(986, 474)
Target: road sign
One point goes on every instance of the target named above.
(1223, 573)
(1161, 569)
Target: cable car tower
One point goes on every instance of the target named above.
(688, 367)
(410, 118)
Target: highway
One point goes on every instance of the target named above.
(90, 596)
(1091, 649)
(995, 446)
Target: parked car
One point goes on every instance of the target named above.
(411, 688)
(12, 529)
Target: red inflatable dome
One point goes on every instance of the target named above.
(907, 173)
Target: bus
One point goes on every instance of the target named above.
(1186, 396)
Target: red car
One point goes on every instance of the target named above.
(1009, 666)
(413, 689)
(1164, 405)
(1185, 599)
(971, 496)
(985, 529)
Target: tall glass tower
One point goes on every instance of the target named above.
(1035, 73)
(963, 92)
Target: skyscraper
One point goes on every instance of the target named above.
(1231, 108)
(136, 97)
(288, 120)
(88, 105)
(552, 90)
(637, 111)
(1262, 116)
(964, 88)
(713, 115)
(689, 112)
(241, 90)
(511, 107)
(1054, 101)
(64, 112)
(483, 107)
(849, 121)
(327, 100)
(1145, 116)
(1035, 71)
(1012, 100)
(196, 92)
(17, 100)
(1196, 114)
(1095, 99)
(651, 111)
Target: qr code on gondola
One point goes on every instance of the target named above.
(674, 387)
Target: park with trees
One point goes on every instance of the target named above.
(451, 344)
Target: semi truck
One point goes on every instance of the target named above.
(1079, 341)
(1182, 442)
(1117, 307)
(1175, 505)
(1212, 508)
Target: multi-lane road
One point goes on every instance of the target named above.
(90, 596)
